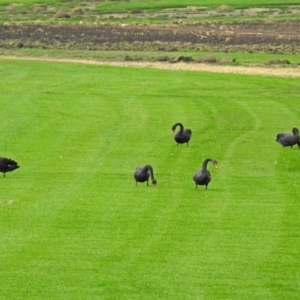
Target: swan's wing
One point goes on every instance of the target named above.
(141, 174)
(197, 174)
(283, 134)
(138, 171)
(289, 140)
(188, 131)
(7, 161)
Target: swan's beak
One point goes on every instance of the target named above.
(173, 131)
(216, 166)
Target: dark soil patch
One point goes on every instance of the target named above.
(258, 36)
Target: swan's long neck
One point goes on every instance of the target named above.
(180, 125)
(204, 165)
(295, 131)
(148, 167)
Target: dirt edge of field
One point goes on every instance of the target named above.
(181, 66)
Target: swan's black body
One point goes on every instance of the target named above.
(7, 165)
(203, 177)
(142, 174)
(183, 135)
(287, 139)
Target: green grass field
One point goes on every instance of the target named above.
(150, 12)
(165, 3)
(137, 4)
(73, 225)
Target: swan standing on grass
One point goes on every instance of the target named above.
(203, 177)
(7, 165)
(183, 135)
(288, 139)
(142, 174)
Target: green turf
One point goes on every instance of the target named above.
(153, 12)
(137, 4)
(162, 4)
(73, 225)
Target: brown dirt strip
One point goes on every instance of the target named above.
(251, 70)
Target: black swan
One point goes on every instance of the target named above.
(289, 139)
(7, 165)
(203, 177)
(183, 135)
(142, 174)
